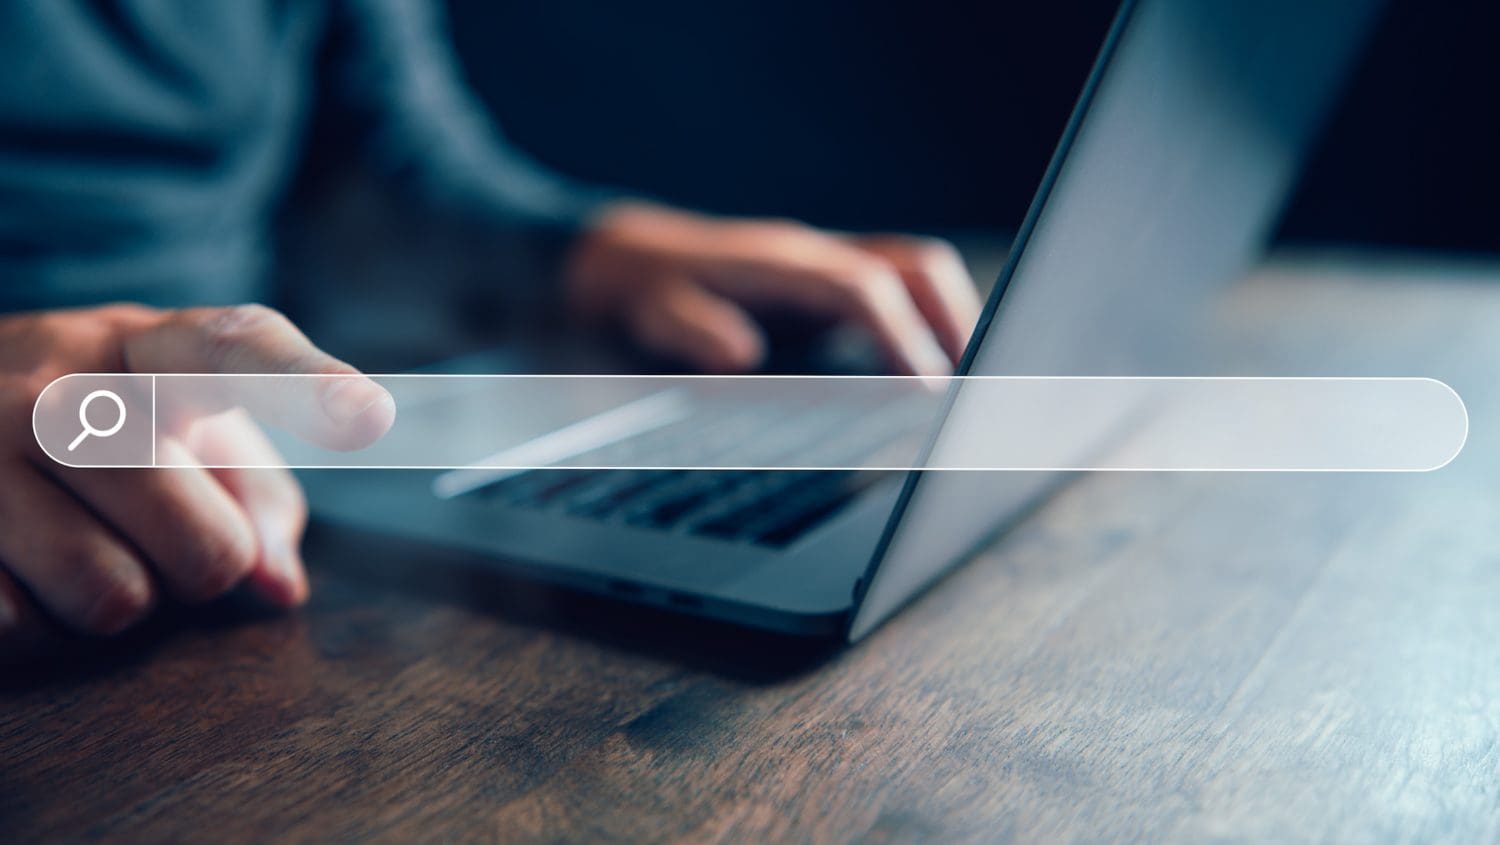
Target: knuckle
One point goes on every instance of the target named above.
(935, 252)
(213, 566)
(110, 597)
(286, 503)
(225, 330)
(293, 496)
(851, 301)
(21, 406)
(781, 236)
(30, 386)
(121, 604)
(44, 324)
(872, 284)
(243, 318)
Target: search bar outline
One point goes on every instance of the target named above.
(1446, 420)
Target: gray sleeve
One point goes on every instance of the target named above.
(393, 71)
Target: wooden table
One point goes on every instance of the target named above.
(1149, 656)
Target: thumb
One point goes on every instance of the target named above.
(340, 409)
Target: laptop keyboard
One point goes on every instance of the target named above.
(767, 507)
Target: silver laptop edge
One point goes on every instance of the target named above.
(1178, 155)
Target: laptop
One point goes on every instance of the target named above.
(1170, 172)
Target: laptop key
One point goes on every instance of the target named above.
(610, 498)
(556, 486)
(819, 502)
(672, 503)
(763, 493)
(768, 507)
(794, 525)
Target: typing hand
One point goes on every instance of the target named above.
(94, 549)
(680, 283)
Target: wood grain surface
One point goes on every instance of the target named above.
(1159, 657)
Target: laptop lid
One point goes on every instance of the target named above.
(1168, 177)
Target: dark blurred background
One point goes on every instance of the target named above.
(941, 116)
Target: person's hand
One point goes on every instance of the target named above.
(94, 549)
(681, 284)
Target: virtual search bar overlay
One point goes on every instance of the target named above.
(486, 426)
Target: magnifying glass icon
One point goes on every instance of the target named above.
(83, 417)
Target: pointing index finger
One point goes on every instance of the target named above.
(341, 409)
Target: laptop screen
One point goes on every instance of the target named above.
(1176, 161)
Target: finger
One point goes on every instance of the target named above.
(194, 534)
(24, 633)
(76, 567)
(682, 320)
(817, 272)
(871, 294)
(939, 283)
(269, 495)
(340, 410)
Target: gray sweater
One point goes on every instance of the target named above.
(144, 143)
